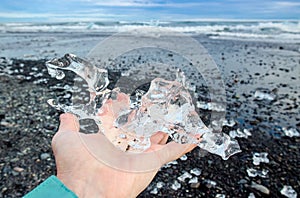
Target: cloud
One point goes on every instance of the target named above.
(94, 15)
(287, 4)
(140, 10)
(146, 3)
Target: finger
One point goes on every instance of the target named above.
(158, 137)
(164, 139)
(68, 122)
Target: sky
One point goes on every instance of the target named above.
(146, 10)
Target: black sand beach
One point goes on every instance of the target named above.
(27, 123)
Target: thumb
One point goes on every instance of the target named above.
(68, 122)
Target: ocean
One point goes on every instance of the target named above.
(278, 31)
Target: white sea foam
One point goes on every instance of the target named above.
(245, 30)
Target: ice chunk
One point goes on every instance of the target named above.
(184, 176)
(260, 188)
(260, 157)
(252, 172)
(291, 132)
(245, 133)
(170, 164)
(220, 196)
(210, 106)
(210, 183)
(229, 122)
(154, 191)
(194, 180)
(167, 106)
(264, 95)
(97, 79)
(176, 185)
(289, 192)
(160, 184)
(251, 195)
(196, 171)
(183, 158)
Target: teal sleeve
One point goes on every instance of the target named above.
(51, 188)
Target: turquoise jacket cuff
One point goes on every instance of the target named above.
(51, 188)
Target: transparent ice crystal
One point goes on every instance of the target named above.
(167, 107)
(291, 132)
(252, 172)
(289, 192)
(260, 157)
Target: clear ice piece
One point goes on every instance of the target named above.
(176, 185)
(210, 106)
(167, 107)
(220, 196)
(245, 133)
(154, 191)
(194, 180)
(160, 184)
(251, 195)
(97, 79)
(291, 132)
(184, 176)
(264, 95)
(229, 122)
(183, 158)
(260, 157)
(289, 192)
(210, 183)
(196, 171)
(252, 172)
(168, 165)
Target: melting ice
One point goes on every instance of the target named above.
(261, 94)
(167, 106)
(260, 157)
(252, 172)
(289, 192)
(291, 132)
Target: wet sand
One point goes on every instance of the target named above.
(27, 123)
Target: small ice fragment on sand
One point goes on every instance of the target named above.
(176, 185)
(252, 172)
(260, 157)
(220, 196)
(160, 184)
(194, 180)
(154, 191)
(264, 95)
(260, 188)
(251, 195)
(210, 106)
(196, 171)
(289, 192)
(183, 158)
(229, 122)
(245, 133)
(184, 176)
(170, 164)
(210, 183)
(291, 132)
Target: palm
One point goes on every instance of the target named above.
(90, 160)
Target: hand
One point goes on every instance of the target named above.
(87, 176)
